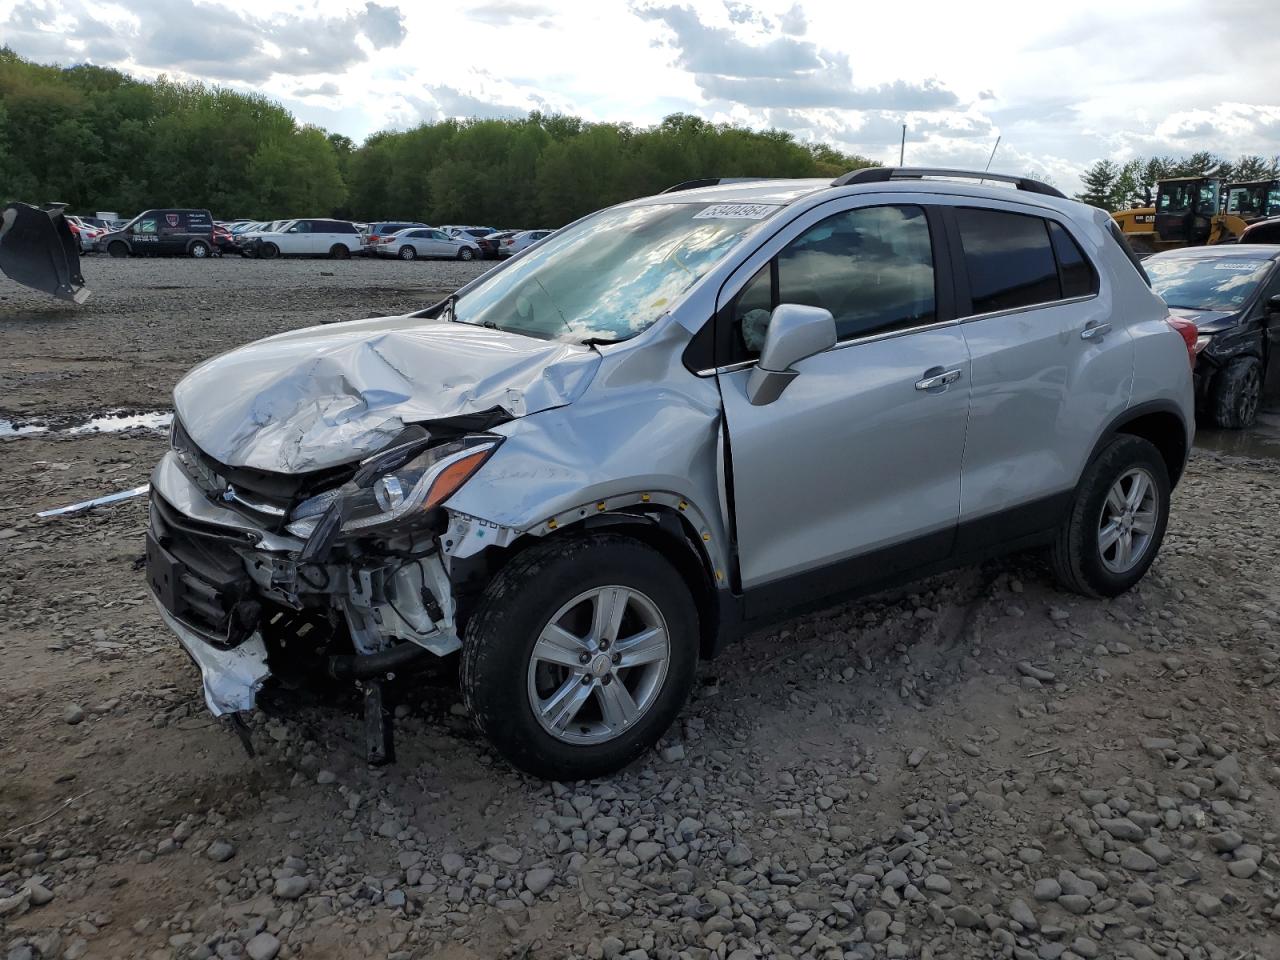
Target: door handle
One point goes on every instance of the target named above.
(932, 380)
(1095, 330)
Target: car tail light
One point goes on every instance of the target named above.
(509, 242)
(383, 239)
(1190, 334)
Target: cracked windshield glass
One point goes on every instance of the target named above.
(613, 275)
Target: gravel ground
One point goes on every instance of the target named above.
(980, 766)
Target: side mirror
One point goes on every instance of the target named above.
(1273, 303)
(795, 333)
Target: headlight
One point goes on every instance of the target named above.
(418, 486)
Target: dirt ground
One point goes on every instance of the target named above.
(978, 766)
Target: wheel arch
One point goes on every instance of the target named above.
(666, 528)
(1159, 423)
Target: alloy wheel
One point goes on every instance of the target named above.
(1128, 521)
(598, 665)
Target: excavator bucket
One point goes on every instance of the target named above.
(38, 250)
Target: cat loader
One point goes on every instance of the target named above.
(38, 250)
(1187, 213)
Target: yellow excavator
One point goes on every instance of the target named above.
(1199, 210)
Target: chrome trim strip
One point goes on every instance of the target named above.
(1034, 306)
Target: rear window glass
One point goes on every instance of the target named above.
(1078, 278)
(1008, 258)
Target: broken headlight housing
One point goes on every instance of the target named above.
(383, 493)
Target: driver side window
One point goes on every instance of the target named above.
(871, 267)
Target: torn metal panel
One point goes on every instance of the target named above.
(316, 398)
(231, 678)
(96, 502)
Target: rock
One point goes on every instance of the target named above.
(1131, 858)
(291, 888)
(15, 905)
(738, 855)
(647, 851)
(40, 894)
(1207, 905)
(937, 883)
(916, 757)
(538, 879)
(326, 777)
(876, 924)
(1240, 869)
(1140, 894)
(965, 916)
(451, 864)
(73, 714)
(673, 753)
(220, 851)
(1074, 903)
(1034, 672)
(262, 947)
(1226, 841)
(505, 853)
(1020, 912)
(1076, 885)
(610, 947)
(1048, 889)
(1122, 828)
(895, 879)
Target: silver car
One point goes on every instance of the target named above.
(674, 420)
(426, 242)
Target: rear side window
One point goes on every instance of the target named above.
(1074, 269)
(1008, 258)
(1116, 234)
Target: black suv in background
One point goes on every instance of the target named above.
(169, 232)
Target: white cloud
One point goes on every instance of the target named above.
(1061, 86)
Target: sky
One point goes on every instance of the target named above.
(1062, 85)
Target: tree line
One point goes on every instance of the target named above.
(98, 139)
(1115, 186)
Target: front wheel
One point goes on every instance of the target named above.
(268, 251)
(1236, 393)
(118, 248)
(580, 655)
(1110, 537)
(466, 253)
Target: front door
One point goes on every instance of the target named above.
(853, 473)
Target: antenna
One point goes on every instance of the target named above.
(993, 154)
(902, 151)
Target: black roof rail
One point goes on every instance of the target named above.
(711, 182)
(885, 174)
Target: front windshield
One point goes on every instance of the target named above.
(613, 275)
(1195, 283)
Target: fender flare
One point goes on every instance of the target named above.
(1136, 412)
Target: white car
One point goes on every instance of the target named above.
(517, 242)
(307, 238)
(427, 242)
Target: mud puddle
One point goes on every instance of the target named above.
(115, 421)
(1259, 442)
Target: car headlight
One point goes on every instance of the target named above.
(417, 486)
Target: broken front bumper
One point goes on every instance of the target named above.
(220, 579)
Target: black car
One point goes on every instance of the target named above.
(1232, 294)
(169, 232)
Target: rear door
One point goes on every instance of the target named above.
(1049, 366)
(853, 473)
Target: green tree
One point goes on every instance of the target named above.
(1099, 184)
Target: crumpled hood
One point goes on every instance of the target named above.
(324, 396)
(1207, 321)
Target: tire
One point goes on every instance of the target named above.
(1080, 561)
(339, 251)
(466, 253)
(198, 249)
(268, 251)
(408, 252)
(118, 249)
(1236, 393)
(502, 679)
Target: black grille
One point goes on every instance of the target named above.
(195, 571)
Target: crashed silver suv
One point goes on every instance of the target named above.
(674, 420)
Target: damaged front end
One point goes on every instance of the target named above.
(339, 570)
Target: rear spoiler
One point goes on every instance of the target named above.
(38, 250)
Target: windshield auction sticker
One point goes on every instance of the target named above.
(736, 211)
(1240, 267)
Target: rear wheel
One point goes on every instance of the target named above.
(408, 252)
(198, 249)
(268, 251)
(1236, 393)
(118, 248)
(466, 253)
(339, 251)
(1110, 537)
(580, 655)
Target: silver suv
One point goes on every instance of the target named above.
(675, 419)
